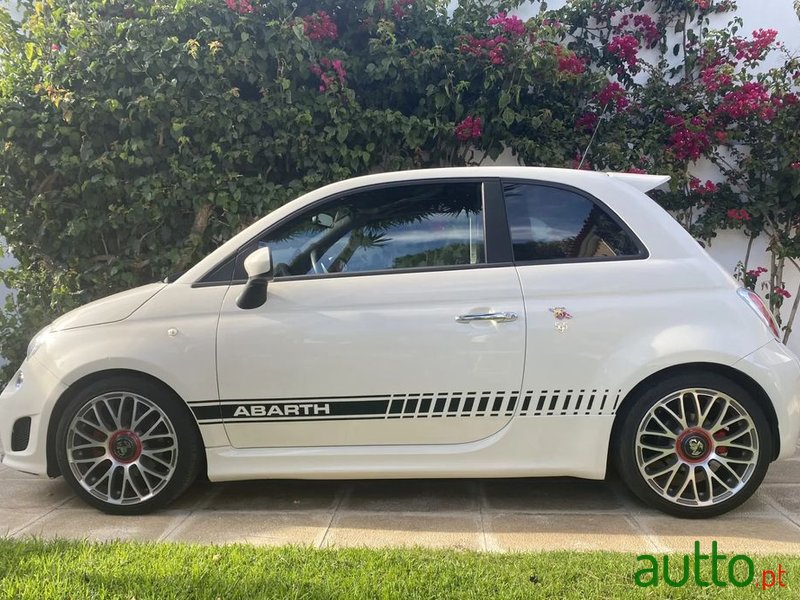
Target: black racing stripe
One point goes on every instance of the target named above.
(425, 406)
(512, 402)
(205, 413)
(411, 406)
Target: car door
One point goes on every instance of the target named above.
(391, 319)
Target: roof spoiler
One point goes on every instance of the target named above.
(643, 183)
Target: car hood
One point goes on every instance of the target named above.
(109, 309)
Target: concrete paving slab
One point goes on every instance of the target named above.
(785, 496)
(277, 495)
(414, 495)
(269, 528)
(755, 535)
(550, 495)
(29, 494)
(380, 530)
(783, 471)
(92, 525)
(523, 532)
(12, 519)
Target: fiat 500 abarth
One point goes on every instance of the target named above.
(469, 322)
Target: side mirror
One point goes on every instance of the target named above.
(259, 271)
(323, 220)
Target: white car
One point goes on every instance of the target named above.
(466, 322)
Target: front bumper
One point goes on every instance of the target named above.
(777, 370)
(35, 399)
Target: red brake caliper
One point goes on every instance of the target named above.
(721, 450)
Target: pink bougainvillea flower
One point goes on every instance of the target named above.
(576, 163)
(709, 187)
(319, 26)
(587, 121)
(626, 48)
(571, 64)
(613, 94)
(469, 129)
(750, 98)
(490, 48)
(401, 8)
(795, 166)
(511, 25)
(714, 79)
(782, 292)
(637, 171)
(243, 7)
(323, 69)
(738, 214)
(755, 49)
(640, 24)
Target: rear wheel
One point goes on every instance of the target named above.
(127, 445)
(694, 445)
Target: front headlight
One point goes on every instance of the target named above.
(38, 340)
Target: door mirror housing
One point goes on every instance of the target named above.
(259, 271)
(323, 220)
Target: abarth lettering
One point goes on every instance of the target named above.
(282, 410)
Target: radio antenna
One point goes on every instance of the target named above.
(594, 133)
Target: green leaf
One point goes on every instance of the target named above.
(508, 116)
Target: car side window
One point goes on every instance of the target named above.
(398, 227)
(552, 223)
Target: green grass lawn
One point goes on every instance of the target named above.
(62, 569)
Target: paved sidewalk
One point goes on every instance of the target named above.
(494, 515)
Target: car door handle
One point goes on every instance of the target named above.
(497, 317)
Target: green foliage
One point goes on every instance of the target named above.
(136, 136)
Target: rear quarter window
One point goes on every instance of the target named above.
(551, 223)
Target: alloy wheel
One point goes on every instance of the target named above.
(122, 448)
(697, 447)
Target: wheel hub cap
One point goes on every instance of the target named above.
(125, 446)
(693, 445)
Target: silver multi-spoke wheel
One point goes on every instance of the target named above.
(697, 447)
(121, 448)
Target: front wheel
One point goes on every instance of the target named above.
(127, 446)
(694, 445)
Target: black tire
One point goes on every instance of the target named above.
(146, 469)
(700, 439)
